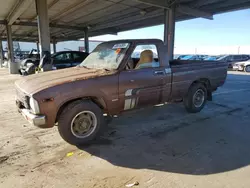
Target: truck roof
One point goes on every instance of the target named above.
(136, 40)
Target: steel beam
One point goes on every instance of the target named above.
(181, 8)
(43, 26)
(169, 31)
(86, 40)
(166, 20)
(194, 12)
(13, 69)
(126, 20)
(199, 3)
(60, 26)
(71, 8)
(54, 45)
(1, 54)
(156, 3)
(37, 47)
(18, 10)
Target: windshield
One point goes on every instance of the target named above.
(210, 58)
(187, 57)
(106, 56)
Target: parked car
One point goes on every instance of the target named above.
(242, 66)
(190, 57)
(180, 57)
(232, 59)
(109, 81)
(210, 58)
(32, 57)
(59, 60)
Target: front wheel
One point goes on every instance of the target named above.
(247, 68)
(196, 98)
(81, 122)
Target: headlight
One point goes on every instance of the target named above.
(34, 106)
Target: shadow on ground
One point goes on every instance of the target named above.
(168, 139)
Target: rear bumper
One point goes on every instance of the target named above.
(235, 68)
(238, 68)
(36, 120)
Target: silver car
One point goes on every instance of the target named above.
(242, 66)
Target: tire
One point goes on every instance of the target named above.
(192, 105)
(80, 112)
(247, 68)
(26, 62)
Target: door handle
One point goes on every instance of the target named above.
(159, 72)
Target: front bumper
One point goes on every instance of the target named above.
(37, 120)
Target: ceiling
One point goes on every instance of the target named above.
(69, 19)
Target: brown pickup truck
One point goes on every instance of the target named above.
(111, 80)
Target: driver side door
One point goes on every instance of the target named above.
(141, 87)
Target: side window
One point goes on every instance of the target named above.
(77, 57)
(144, 56)
(245, 57)
(237, 57)
(63, 57)
(229, 58)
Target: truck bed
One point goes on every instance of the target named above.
(192, 62)
(185, 72)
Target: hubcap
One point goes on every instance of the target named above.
(247, 68)
(198, 98)
(83, 124)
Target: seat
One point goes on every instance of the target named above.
(146, 59)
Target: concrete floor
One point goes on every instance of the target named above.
(162, 146)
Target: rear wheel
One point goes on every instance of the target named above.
(196, 98)
(247, 68)
(81, 122)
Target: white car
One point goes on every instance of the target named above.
(242, 66)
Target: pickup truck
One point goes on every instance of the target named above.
(109, 81)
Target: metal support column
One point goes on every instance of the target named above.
(37, 47)
(86, 40)
(1, 54)
(166, 15)
(169, 30)
(13, 69)
(43, 26)
(54, 45)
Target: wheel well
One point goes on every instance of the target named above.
(207, 84)
(98, 101)
(204, 81)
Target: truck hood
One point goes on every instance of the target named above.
(37, 82)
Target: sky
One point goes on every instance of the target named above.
(227, 33)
